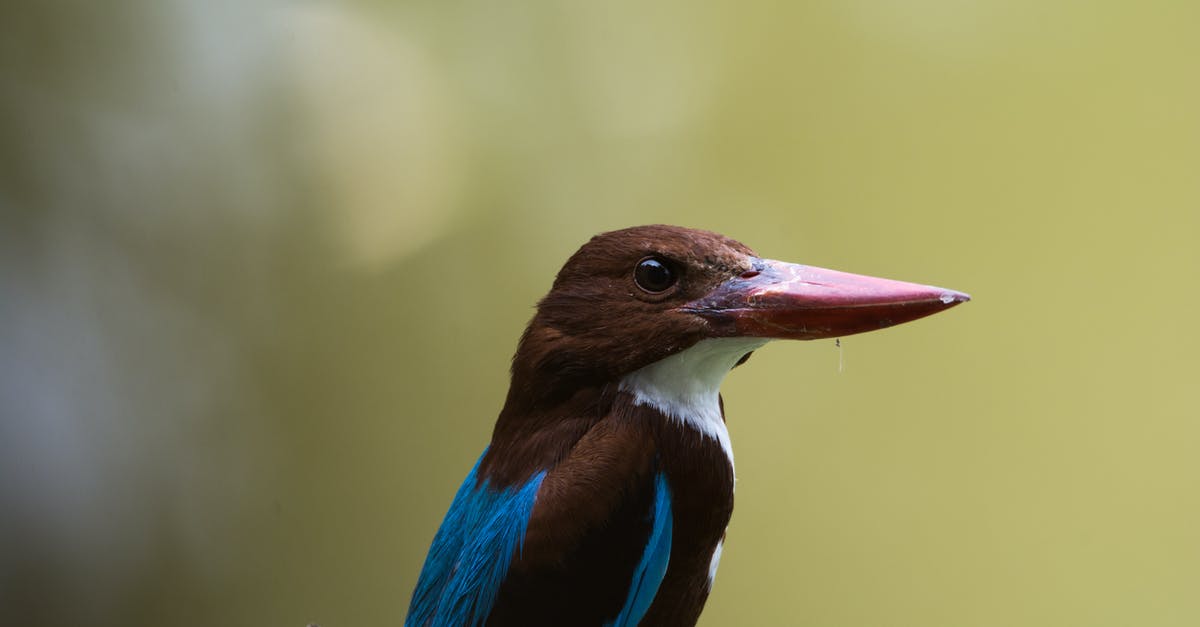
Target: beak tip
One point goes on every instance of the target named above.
(951, 297)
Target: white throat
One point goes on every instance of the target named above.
(686, 385)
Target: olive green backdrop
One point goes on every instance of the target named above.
(263, 265)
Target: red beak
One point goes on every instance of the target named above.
(789, 301)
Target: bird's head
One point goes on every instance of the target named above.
(632, 297)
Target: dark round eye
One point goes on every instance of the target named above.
(654, 275)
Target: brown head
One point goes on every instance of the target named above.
(631, 297)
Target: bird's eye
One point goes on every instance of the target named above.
(654, 275)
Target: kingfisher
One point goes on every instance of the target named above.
(605, 492)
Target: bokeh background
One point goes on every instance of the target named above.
(263, 265)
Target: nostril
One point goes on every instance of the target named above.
(749, 274)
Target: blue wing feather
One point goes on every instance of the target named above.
(471, 553)
(648, 575)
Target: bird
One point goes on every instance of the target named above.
(605, 492)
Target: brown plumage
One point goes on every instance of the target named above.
(612, 393)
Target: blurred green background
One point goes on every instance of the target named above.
(263, 265)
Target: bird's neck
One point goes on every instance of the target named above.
(546, 413)
(685, 387)
(535, 431)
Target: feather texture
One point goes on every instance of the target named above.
(471, 553)
(653, 566)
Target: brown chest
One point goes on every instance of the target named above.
(700, 475)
